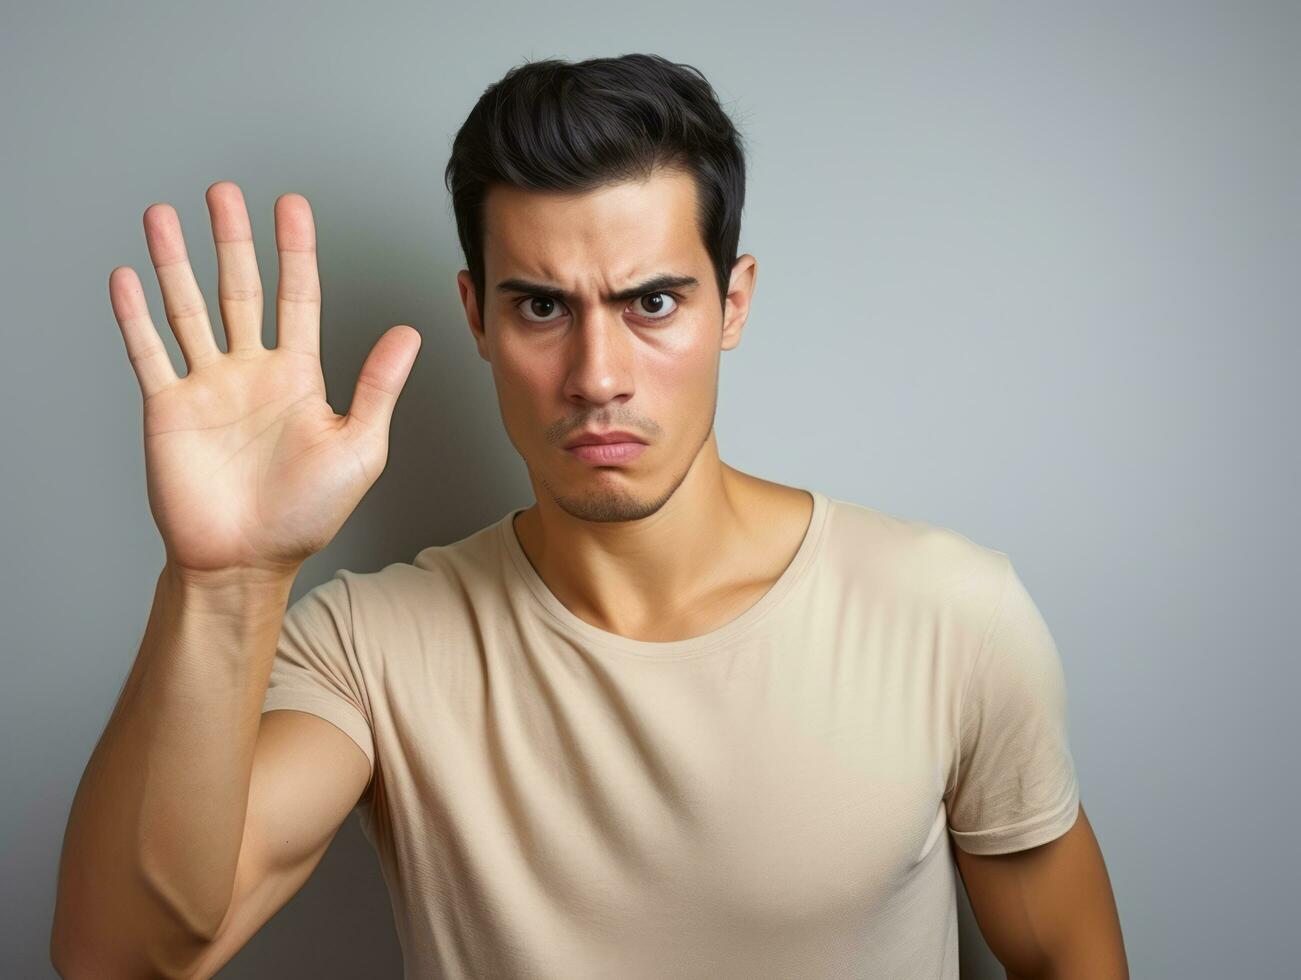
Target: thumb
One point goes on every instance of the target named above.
(383, 374)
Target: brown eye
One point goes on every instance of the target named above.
(540, 305)
(654, 305)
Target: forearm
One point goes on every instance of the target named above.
(153, 836)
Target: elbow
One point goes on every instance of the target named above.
(83, 963)
(76, 952)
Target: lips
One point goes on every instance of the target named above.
(608, 453)
(603, 438)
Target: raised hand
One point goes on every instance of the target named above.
(248, 467)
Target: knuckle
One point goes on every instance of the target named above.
(146, 355)
(240, 295)
(306, 296)
(185, 310)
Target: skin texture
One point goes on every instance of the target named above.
(671, 544)
(676, 543)
(197, 816)
(1048, 911)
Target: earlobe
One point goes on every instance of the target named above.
(476, 330)
(733, 326)
(732, 333)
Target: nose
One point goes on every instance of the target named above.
(600, 359)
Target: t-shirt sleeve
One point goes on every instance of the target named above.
(316, 667)
(1016, 784)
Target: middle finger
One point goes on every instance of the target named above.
(239, 286)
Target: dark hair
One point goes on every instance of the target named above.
(577, 126)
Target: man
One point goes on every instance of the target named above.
(671, 720)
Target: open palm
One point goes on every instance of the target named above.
(247, 465)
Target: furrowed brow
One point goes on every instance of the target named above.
(652, 285)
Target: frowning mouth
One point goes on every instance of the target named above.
(607, 452)
(590, 437)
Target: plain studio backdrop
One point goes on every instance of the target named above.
(1026, 270)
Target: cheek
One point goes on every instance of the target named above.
(521, 374)
(675, 388)
(517, 384)
(683, 372)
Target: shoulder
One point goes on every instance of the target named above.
(434, 576)
(922, 556)
(934, 581)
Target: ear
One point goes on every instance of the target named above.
(737, 306)
(472, 314)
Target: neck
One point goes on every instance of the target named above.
(623, 575)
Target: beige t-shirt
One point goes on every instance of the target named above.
(774, 798)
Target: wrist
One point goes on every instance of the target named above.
(243, 590)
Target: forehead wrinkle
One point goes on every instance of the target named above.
(658, 282)
(592, 280)
(633, 246)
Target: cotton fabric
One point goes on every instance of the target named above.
(776, 798)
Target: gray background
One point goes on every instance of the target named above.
(1027, 271)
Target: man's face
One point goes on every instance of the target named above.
(645, 363)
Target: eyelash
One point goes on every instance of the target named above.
(677, 299)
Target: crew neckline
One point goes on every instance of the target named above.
(667, 649)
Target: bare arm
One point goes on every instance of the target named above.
(182, 816)
(154, 834)
(307, 776)
(1048, 911)
(275, 789)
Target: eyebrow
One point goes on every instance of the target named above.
(652, 285)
